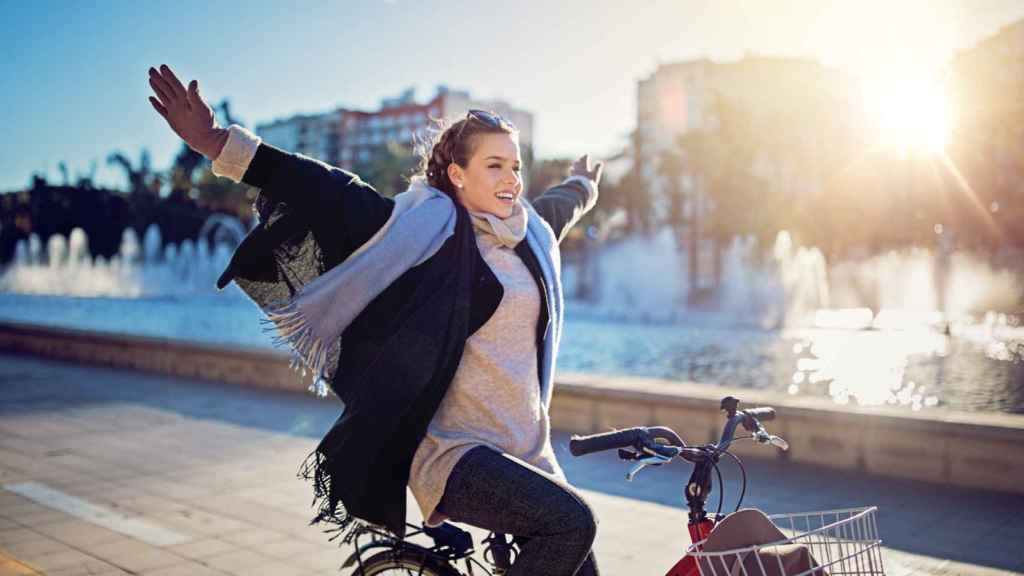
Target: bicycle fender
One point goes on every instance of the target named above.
(354, 557)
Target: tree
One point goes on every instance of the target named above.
(139, 179)
(389, 168)
(545, 174)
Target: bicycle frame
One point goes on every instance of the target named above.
(698, 488)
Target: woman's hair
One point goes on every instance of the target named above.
(454, 142)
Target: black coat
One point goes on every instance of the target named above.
(400, 354)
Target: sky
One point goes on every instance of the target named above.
(74, 73)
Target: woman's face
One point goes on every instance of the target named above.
(490, 182)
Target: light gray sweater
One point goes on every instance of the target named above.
(494, 398)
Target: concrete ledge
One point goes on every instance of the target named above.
(979, 450)
(971, 449)
(234, 364)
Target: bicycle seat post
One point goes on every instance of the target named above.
(501, 552)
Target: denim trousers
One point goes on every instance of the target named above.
(552, 524)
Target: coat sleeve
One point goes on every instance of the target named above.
(331, 198)
(562, 206)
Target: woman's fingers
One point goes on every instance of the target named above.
(159, 108)
(193, 93)
(172, 81)
(161, 91)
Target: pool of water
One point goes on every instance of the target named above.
(976, 367)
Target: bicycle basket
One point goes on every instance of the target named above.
(832, 543)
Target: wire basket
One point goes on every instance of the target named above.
(833, 543)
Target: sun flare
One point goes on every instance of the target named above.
(909, 115)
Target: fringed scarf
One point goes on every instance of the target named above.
(311, 321)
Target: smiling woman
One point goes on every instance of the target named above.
(449, 298)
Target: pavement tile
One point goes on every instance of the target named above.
(204, 548)
(185, 569)
(79, 533)
(58, 560)
(277, 568)
(322, 560)
(134, 555)
(236, 562)
(35, 547)
(201, 523)
(252, 538)
(91, 568)
(42, 518)
(174, 490)
(15, 535)
(292, 547)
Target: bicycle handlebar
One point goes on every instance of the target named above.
(642, 438)
(764, 414)
(580, 445)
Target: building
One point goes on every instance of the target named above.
(345, 137)
(678, 98)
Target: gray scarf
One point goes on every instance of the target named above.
(313, 320)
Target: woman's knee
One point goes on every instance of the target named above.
(578, 518)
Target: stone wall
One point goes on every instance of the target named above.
(982, 450)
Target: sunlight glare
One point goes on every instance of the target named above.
(910, 115)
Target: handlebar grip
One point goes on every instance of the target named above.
(765, 413)
(580, 445)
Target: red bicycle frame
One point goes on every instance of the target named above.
(687, 566)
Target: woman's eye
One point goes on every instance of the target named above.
(517, 169)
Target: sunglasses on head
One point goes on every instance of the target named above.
(488, 118)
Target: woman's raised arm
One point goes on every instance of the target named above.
(563, 205)
(326, 192)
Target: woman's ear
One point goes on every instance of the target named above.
(455, 174)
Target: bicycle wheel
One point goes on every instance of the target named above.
(404, 563)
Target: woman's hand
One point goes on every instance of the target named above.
(186, 112)
(582, 167)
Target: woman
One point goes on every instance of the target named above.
(434, 315)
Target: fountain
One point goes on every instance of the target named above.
(645, 278)
(858, 331)
(139, 269)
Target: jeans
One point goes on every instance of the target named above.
(552, 524)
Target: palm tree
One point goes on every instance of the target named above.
(138, 178)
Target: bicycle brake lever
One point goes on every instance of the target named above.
(763, 437)
(628, 455)
(654, 460)
(779, 443)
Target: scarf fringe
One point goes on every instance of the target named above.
(329, 510)
(289, 327)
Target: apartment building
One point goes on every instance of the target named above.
(346, 137)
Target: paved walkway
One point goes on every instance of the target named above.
(113, 472)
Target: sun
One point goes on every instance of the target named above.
(910, 116)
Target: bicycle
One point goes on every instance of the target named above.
(817, 543)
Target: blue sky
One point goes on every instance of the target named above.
(75, 72)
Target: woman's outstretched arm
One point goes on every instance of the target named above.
(563, 205)
(324, 191)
